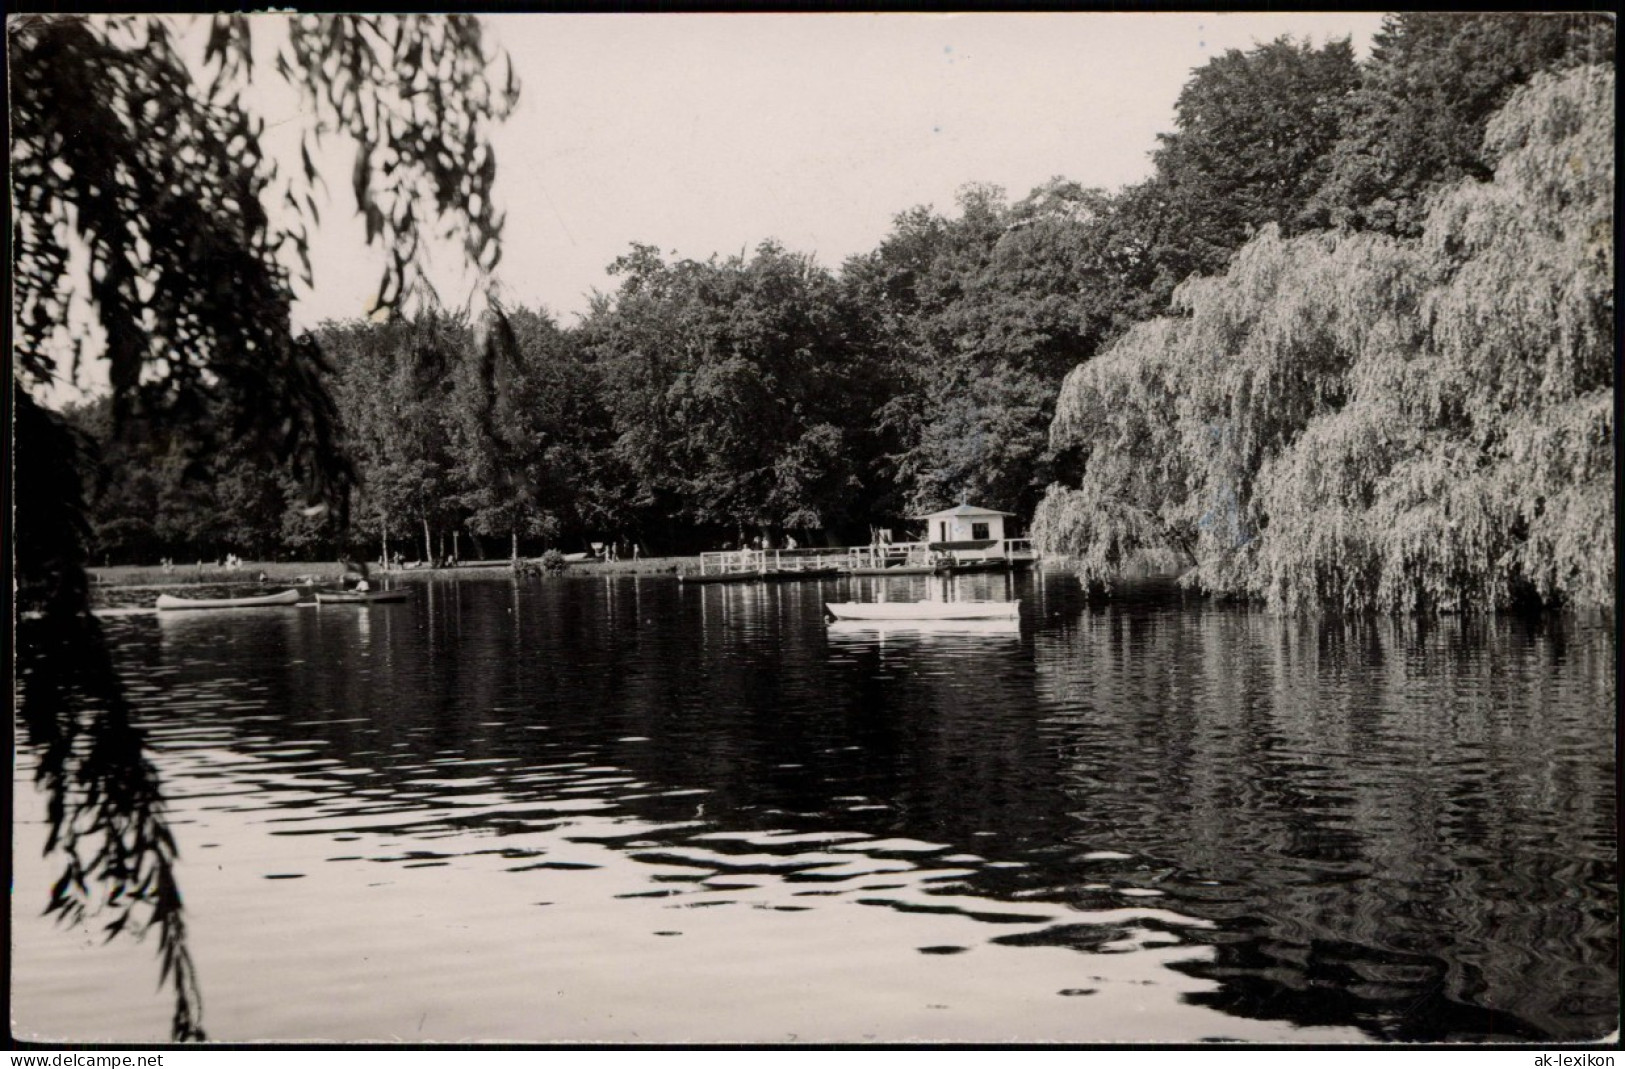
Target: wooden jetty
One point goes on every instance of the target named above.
(883, 560)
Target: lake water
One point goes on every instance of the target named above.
(627, 811)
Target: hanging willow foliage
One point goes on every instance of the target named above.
(141, 197)
(1118, 412)
(1356, 422)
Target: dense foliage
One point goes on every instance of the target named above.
(1357, 421)
(708, 401)
(734, 391)
(1249, 148)
(1410, 412)
(1417, 119)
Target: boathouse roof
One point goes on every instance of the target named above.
(963, 510)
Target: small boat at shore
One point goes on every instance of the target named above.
(359, 597)
(718, 577)
(970, 567)
(787, 575)
(895, 570)
(284, 597)
(924, 610)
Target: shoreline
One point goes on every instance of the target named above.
(155, 577)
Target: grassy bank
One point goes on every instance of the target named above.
(285, 572)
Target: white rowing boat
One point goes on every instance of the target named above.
(284, 597)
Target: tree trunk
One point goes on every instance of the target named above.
(428, 543)
(384, 523)
(515, 534)
(456, 548)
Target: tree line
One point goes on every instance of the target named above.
(1185, 366)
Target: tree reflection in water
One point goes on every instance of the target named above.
(1405, 824)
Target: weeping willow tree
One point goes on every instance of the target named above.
(1357, 422)
(144, 239)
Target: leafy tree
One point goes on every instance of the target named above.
(1117, 417)
(1251, 133)
(1417, 120)
(154, 170)
(732, 388)
(1353, 421)
(1488, 453)
(1251, 146)
(153, 493)
(394, 383)
(120, 486)
(303, 533)
(514, 440)
(979, 318)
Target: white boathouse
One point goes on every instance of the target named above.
(964, 523)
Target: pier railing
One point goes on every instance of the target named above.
(882, 555)
(807, 560)
(1019, 549)
(733, 562)
(889, 555)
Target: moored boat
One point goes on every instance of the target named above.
(924, 610)
(967, 567)
(782, 575)
(895, 570)
(718, 577)
(358, 597)
(285, 597)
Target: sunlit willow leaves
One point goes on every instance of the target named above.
(1356, 421)
(140, 196)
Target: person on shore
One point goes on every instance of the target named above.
(355, 574)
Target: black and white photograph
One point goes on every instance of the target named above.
(1082, 530)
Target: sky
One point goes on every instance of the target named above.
(708, 134)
